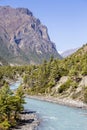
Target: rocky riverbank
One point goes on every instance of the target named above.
(64, 101)
(28, 121)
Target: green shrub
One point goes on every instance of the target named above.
(74, 85)
(64, 86)
(4, 125)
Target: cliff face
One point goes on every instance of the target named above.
(25, 38)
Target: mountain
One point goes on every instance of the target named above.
(3, 62)
(68, 52)
(23, 39)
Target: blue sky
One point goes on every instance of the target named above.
(66, 20)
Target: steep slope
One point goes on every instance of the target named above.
(24, 36)
(77, 61)
(3, 62)
(65, 78)
(4, 52)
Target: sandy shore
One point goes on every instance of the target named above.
(65, 101)
(28, 121)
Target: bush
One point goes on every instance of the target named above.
(64, 86)
(4, 125)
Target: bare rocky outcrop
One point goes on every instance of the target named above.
(28, 121)
(25, 38)
(83, 82)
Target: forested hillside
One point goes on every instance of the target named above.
(41, 79)
(45, 78)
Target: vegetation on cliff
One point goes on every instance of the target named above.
(42, 79)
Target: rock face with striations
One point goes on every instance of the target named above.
(23, 39)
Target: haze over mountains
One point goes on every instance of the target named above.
(23, 39)
(68, 52)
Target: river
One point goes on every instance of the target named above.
(56, 117)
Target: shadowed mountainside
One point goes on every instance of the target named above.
(23, 39)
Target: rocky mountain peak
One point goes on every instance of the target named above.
(24, 11)
(27, 39)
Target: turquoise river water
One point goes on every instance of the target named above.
(56, 117)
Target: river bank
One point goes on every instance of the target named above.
(64, 101)
(28, 121)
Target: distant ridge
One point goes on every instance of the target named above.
(68, 52)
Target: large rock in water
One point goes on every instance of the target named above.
(23, 39)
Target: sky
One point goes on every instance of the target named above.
(66, 20)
